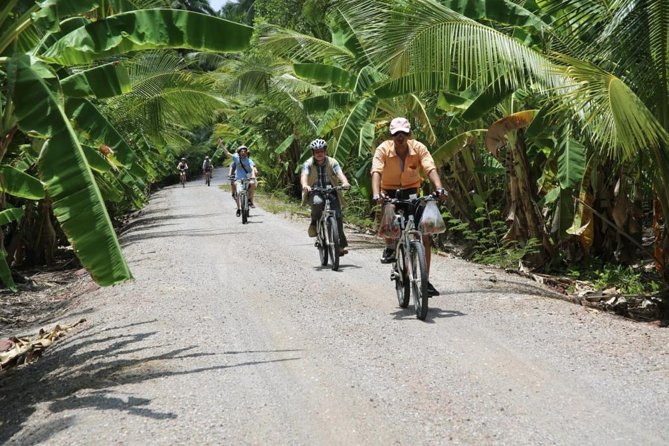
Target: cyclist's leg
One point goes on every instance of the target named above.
(233, 188)
(317, 205)
(252, 190)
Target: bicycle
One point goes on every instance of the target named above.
(182, 177)
(327, 232)
(243, 194)
(409, 270)
(207, 177)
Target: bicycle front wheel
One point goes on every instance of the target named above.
(402, 282)
(333, 245)
(419, 279)
(244, 203)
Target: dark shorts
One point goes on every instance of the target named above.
(404, 194)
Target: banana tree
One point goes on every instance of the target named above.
(35, 103)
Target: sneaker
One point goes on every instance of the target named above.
(388, 255)
(251, 205)
(431, 290)
(239, 212)
(312, 230)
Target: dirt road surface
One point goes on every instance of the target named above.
(234, 334)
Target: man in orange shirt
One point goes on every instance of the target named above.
(396, 173)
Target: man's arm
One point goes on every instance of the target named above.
(376, 187)
(304, 177)
(220, 144)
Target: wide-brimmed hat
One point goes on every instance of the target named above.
(400, 125)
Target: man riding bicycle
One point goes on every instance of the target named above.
(182, 167)
(322, 171)
(207, 166)
(396, 174)
(242, 167)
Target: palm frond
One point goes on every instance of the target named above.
(301, 47)
(425, 36)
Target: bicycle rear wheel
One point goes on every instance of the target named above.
(402, 282)
(244, 203)
(333, 245)
(419, 279)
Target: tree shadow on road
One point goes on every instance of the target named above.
(82, 371)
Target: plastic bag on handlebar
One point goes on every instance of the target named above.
(390, 227)
(432, 222)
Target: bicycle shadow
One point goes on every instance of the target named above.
(433, 313)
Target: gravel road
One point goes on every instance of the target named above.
(234, 334)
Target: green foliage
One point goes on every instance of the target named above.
(627, 279)
(485, 240)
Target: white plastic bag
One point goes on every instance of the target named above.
(432, 222)
(390, 227)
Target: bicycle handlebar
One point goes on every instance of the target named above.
(413, 201)
(328, 189)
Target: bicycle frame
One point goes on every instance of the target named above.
(410, 278)
(326, 246)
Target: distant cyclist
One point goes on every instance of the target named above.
(243, 167)
(322, 171)
(182, 167)
(207, 165)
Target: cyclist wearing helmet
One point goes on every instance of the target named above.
(321, 171)
(207, 165)
(242, 167)
(396, 167)
(182, 167)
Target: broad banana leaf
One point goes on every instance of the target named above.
(7, 216)
(489, 98)
(326, 102)
(87, 118)
(326, 74)
(449, 149)
(76, 199)
(571, 163)
(52, 12)
(496, 135)
(104, 81)
(148, 29)
(284, 145)
(20, 184)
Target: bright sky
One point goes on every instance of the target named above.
(217, 4)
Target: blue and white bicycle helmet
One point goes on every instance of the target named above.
(318, 144)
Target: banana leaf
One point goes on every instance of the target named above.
(20, 184)
(148, 29)
(326, 102)
(285, 144)
(76, 199)
(104, 81)
(326, 74)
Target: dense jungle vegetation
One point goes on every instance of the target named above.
(549, 120)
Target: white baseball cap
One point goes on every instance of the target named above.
(400, 125)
